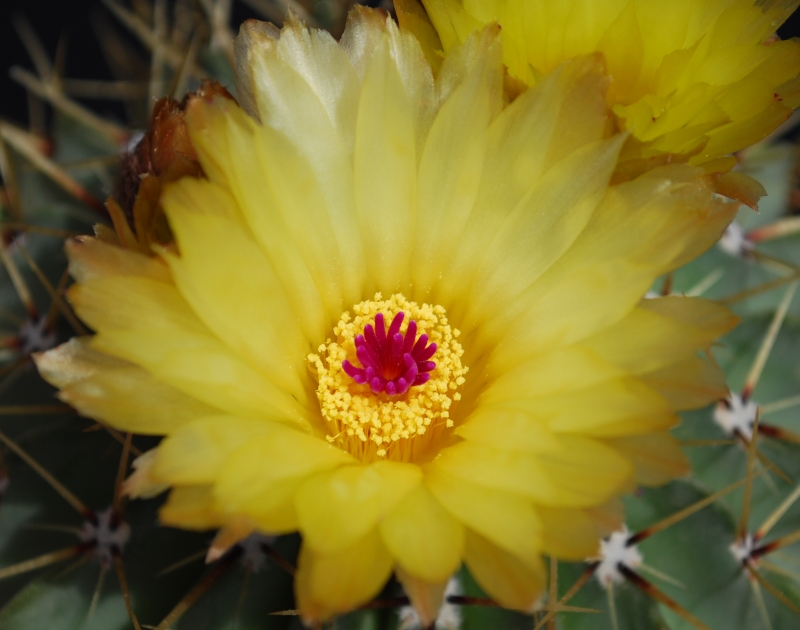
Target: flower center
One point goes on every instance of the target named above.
(392, 363)
(380, 394)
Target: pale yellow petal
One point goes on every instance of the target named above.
(254, 318)
(363, 32)
(508, 429)
(321, 102)
(148, 323)
(74, 361)
(452, 22)
(260, 478)
(297, 160)
(307, 158)
(90, 257)
(203, 368)
(116, 392)
(331, 583)
(690, 384)
(623, 47)
(662, 331)
(516, 472)
(657, 457)
(267, 175)
(289, 81)
(366, 30)
(739, 186)
(423, 538)
(131, 302)
(197, 452)
(616, 407)
(534, 149)
(743, 133)
(582, 473)
(386, 197)
(191, 507)
(412, 18)
(450, 168)
(588, 470)
(583, 115)
(326, 69)
(139, 484)
(426, 597)
(714, 218)
(130, 399)
(521, 139)
(642, 228)
(508, 520)
(710, 317)
(234, 531)
(570, 533)
(552, 215)
(254, 38)
(417, 79)
(558, 371)
(512, 580)
(338, 507)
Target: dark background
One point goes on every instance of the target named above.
(77, 20)
(53, 19)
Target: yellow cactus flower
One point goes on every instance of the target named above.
(401, 317)
(692, 80)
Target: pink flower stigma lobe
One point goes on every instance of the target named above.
(391, 363)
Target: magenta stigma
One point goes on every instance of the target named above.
(391, 363)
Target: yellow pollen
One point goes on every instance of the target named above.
(373, 426)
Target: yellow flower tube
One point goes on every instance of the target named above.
(692, 80)
(402, 317)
